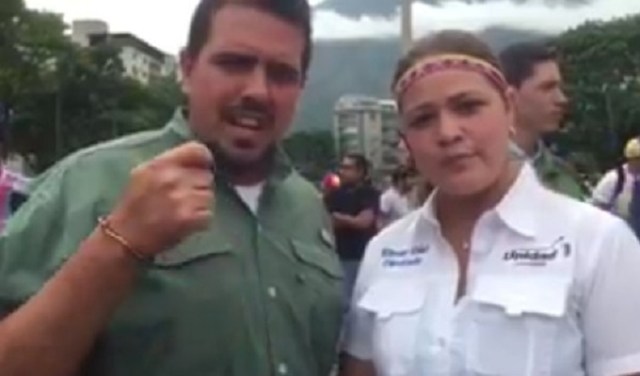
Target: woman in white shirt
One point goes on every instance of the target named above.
(495, 274)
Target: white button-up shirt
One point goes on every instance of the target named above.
(553, 289)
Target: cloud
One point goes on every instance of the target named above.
(165, 23)
(535, 15)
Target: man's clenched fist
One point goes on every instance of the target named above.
(167, 199)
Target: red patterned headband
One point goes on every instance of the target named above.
(439, 63)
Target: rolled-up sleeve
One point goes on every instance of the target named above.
(42, 235)
(611, 315)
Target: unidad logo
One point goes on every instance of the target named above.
(539, 256)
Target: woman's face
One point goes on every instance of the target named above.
(456, 125)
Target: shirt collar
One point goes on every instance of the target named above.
(517, 151)
(514, 210)
(179, 127)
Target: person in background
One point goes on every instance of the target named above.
(619, 189)
(533, 71)
(496, 274)
(394, 202)
(193, 249)
(13, 193)
(354, 210)
(419, 189)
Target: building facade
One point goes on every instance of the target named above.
(368, 126)
(142, 61)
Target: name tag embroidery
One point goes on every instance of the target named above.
(539, 256)
(414, 256)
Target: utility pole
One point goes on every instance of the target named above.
(406, 21)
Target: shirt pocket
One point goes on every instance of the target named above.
(318, 286)
(318, 257)
(395, 307)
(182, 296)
(197, 247)
(513, 324)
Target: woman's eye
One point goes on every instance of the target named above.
(421, 121)
(467, 108)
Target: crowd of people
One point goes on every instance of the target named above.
(197, 249)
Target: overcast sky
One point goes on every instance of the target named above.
(164, 23)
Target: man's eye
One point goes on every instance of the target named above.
(234, 63)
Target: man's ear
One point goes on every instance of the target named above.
(187, 63)
(510, 102)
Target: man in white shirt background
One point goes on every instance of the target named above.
(619, 189)
(394, 202)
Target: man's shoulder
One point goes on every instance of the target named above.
(388, 194)
(141, 144)
(552, 162)
(368, 190)
(131, 149)
(301, 187)
(103, 166)
(560, 174)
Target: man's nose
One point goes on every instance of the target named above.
(561, 99)
(257, 84)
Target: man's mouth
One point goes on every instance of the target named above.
(247, 119)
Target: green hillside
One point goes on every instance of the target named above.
(364, 66)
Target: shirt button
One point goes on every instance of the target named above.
(283, 369)
(273, 293)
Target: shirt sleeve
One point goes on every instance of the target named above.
(22, 184)
(385, 204)
(612, 306)
(603, 192)
(359, 325)
(39, 238)
(329, 202)
(371, 200)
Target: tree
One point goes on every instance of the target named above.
(65, 97)
(92, 101)
(602, 68)
(312, 153)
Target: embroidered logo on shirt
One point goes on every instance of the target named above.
(539, 256)
(392, 258)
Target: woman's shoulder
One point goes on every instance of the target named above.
(399, 230)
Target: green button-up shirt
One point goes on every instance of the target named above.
(255, 294)
(554, 173)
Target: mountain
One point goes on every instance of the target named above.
(387, 8)
(365, 66)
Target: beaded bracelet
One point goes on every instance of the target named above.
(107, 229)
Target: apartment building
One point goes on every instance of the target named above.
(368, 126)
(141, 60)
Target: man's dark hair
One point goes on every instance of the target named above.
(519, 60)
(360, 161)
(296, 12)
(399, 174)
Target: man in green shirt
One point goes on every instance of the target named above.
(155, 255)
(532, 70)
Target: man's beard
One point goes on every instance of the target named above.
(230, 166)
